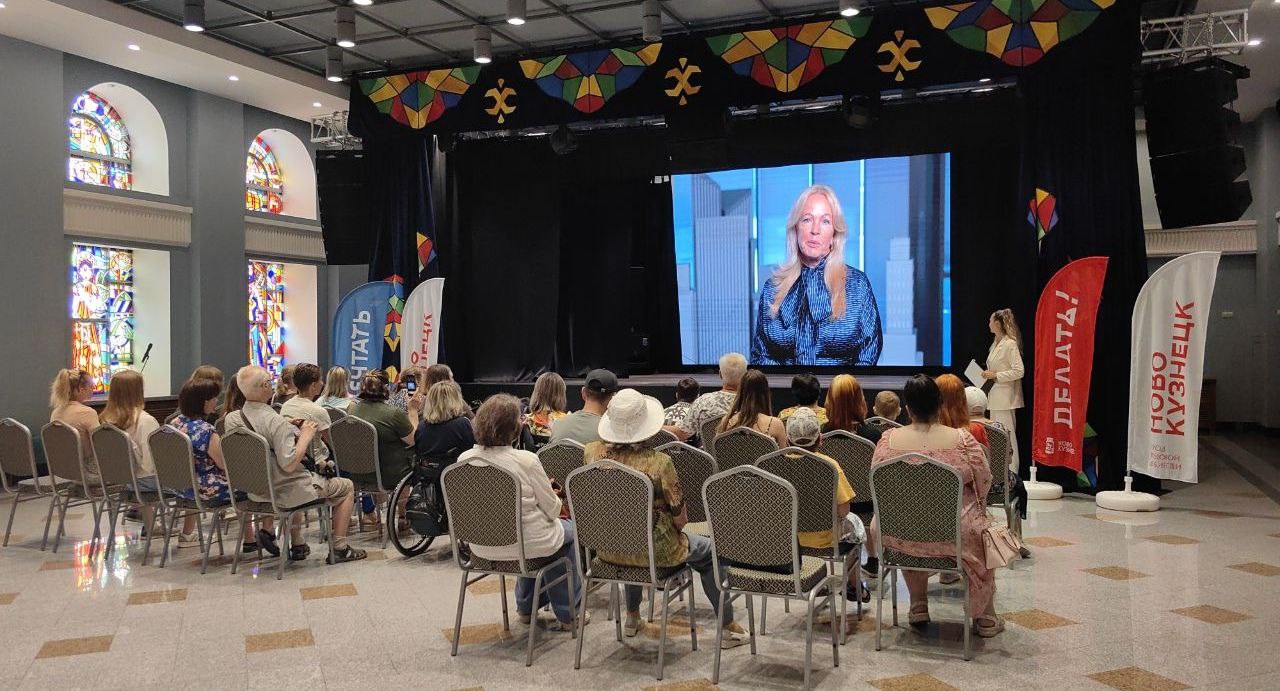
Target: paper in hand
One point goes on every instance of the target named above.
(974, 374)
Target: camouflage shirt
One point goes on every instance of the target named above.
(670, 546)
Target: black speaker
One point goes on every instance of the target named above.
(340, 187)
(1192, 134)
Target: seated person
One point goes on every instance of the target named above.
(446, 422)
(847, 409)
(714, 404)
(294, 484)
(396, 428)
(581, 426)
(806, 390)
(955, 408)
(686, 393)
(124, 411)
(630, 419)
(497, 425)
(302, 406)
(546, 405)
(887, 406)
(752, 407)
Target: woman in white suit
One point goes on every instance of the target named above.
(1004, 366)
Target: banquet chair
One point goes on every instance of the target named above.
(63, 453)
(999, 456)
(612, 507)
(707, 432)
(18, 458)
(250, 470)
(561, 458)
(335, 414)
(766, 539)
(355, 450)
(816, 483)
(661, 438)
(853, 453)
(693, 467)
(741, 446)
(176, 476)
(880, 423)
(483, 505)
(918, 499)
(118, 470)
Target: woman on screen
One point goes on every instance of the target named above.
(815, 309)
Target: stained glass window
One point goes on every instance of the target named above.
(266, 316)
(264, 185)
(98, 144)
(101, 311)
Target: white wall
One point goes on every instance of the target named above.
(151, 321)
(147, 136)
(298, 171)
(301, 314)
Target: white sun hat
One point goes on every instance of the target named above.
(631, 417)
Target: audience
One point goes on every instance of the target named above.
(497, 424)
(294, 485)
(125, 411)
(335, 394)
(752, 408)
(583, 425)
(632, 418)
(446, 424)
(203, 373)
(70, 389)
(400, 395)
(233, 401)
(547, 404)
(806, 390)
(686, 393)
(955, 408)
(715, 404)
(285, 388)
(434, 374)
(960, 450)
(847, 409)
(302, 407)
(396, 429)
(887, 406)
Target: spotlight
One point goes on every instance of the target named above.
(134, 46)
(317, 104)
(516, 12)
(482, 47)
(850, 8)
(193, 15)
(860, 112)
(651, 23)
(333, 64)
(564, 141)
(233, 78)
(1255, 41)
(345, 26)
(984, 80)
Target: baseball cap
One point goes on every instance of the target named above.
(602, 381)
(975, 399)
(803, 428)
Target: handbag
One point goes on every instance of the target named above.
(1001, 545)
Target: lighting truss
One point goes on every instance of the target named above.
(330, 131)
(1195, 36)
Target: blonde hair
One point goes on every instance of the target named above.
(124, 400)
(1008, 326)
(208, 373)
(846, 404)
(66, 384)
(335, 383)
(784, 277)
(887, 405)
(548, 394)
(444, 402)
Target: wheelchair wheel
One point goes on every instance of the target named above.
(412, 543)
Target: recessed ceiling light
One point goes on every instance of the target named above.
(516, 12)
(318, 104)
(364, 3)
(233, 78)
(984, 80)
(134, 46)
(1255, 41)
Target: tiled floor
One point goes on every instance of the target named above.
(1184, 598)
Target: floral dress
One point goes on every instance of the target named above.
(213, 481)
(540, 423)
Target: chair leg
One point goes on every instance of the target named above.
(693, 622)
(662, 634)
(835, 640)
(217, 526)
(764, 613)
(457, 620)
(879, 604)
(48, 521)
(239, 549)
(207, 547)
(651, 602)
(613, 595)
(502, 589)
(533, 616)
(285, 534)
(582, 616)
(615, 609)
(9, 527)
(895, 596)
(715, 671)
(146, 552)
(968, 623)
(808, 641)
(62, 519)
(168, 535)
(751, 623)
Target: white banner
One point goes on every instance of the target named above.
(420, 325)
(1170, 320)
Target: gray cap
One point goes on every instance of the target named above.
(602, 381)
(803, 428)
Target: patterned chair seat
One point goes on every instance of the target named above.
(812, 571)
(635, 574)
(28, 486)
(699, 528)
(510, 566)
(897, 558)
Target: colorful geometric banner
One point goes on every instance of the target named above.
(587, 80)
(419, 98)
(1019, 32)
(358, 330)
(788, 57)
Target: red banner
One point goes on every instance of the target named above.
(1065, 320)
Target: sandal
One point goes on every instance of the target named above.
(347, 553)
(299, 552)
(987, 627)
(919, 614)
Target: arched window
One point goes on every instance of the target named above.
(266, 316)
(99, 144)
(264, 185)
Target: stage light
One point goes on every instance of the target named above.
(333, 64)
(563, 140)
(482, 47)
(850, 8)
(193, 15)
(516, 10)
(651, 24)
(1255, 41)
(345, 26)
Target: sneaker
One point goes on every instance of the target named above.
(188, 540)
(632, 626)
(299, 552)
(268, 542)
(346, 553)
(571, 625)
(733, 636)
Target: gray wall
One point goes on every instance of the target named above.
(1264, 176)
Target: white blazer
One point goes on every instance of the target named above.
(1005, 360)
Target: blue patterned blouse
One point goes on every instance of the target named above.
(803, 333)
(213, 482)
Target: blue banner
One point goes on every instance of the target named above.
(358, 327)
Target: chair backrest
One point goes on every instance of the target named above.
(1000, 455)
(335, 414)
(815, 481)
(612, 507)
(764, 536)
(853, 453)
(741, 446)
(355, 447)
(114, 451)
(62, 451)
(247, 456)
(220, 426)
(708, 432)
(693, 467)
(175, 461)
(483, 505)
(662, 437)
(918, 498)
(881, 423)
(17, 453)
(561, 458)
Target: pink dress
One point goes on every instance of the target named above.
(971, 460)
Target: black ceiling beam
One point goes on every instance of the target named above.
(322, 41)
(477, 19)
(560, 9)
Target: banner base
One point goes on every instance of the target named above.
(1128, 500)
(1041, 491)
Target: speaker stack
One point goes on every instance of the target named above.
(1193, 130)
